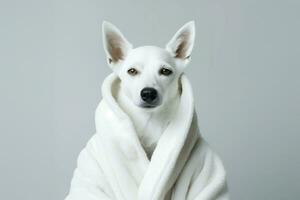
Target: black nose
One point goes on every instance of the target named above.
(149, 94)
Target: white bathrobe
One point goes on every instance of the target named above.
(114, 165)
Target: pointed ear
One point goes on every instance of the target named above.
(115, 44)
(181, 45)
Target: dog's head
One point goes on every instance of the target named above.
(149, 74)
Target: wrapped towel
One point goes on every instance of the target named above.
(114, 165)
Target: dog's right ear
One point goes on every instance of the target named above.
(115, 44)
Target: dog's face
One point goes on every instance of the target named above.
(149, 75)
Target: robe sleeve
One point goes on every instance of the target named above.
(89, 182)
(209, 180)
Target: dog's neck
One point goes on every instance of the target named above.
(149, 125)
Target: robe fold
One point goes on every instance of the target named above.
(114, 165)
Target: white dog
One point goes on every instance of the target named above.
(149, 90)
(147, 144)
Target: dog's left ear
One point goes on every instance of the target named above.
(181, 45)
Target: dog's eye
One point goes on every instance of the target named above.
(165, 71)
(132, 71)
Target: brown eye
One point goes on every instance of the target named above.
(165, 71)
(132, 72)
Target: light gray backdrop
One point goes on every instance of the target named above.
(245, 71)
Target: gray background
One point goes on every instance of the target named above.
(245, 72)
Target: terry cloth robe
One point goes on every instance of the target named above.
(114, 165)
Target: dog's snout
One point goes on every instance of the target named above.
(149, 95)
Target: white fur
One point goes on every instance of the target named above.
(148, 60)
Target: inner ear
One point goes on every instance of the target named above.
(115, 47)
(181, 49)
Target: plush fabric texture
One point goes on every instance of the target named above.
(114, 165)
